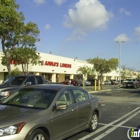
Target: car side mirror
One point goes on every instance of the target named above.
(61, 106)
(28, 83)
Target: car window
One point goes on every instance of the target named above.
(17, 80)
(80, 95)
(65, 98)
(31, 79)
(39, 80)
(8, 80)
(30, 97)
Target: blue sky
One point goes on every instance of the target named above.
(87, 28)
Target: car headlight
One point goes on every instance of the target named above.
(5, 93)
(11, 130)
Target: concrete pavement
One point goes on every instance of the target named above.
(91, 89)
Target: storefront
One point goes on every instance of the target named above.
(57, 68)
(52, 67)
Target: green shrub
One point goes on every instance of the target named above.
(16, 71)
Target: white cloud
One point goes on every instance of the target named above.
(40, 1)
(137, 31)
(78, 34)
(88, 15)
(47, 27)
(121, 38)
(122, 10)
(59, 2)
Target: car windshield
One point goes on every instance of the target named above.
(15, 80)
(31, 97)
(7, 81)
(18, 80)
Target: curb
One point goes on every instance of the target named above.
(101, 90)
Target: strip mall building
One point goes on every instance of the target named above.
(55, 68)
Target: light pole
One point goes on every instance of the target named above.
(120, 45)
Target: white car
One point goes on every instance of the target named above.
(106, 83)
(87, 83)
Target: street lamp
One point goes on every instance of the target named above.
(120, 45)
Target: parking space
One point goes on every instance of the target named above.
(120, 113)
(115, 129)
(123, 92)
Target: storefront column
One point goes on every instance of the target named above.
(61, 77)
(104, 79)
(37, 73)
(71, 76)
(96, 76)
(54, 77)
(1, 77)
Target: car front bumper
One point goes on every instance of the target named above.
(13, 137)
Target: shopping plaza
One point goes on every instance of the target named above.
(57, 68)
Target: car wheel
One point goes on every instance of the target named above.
(93, 122)
(38, 135)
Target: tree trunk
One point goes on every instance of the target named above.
(7, 56)
(23, 70)
(101, 80)
(8, 63)
(27, 69)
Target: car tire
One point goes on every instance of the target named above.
(38, 134)
(93, 122)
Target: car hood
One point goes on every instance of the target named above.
(8, 87)
(17, 114)
(4, 85)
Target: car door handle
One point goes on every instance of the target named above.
(73, 109)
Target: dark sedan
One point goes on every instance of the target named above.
(48, 112)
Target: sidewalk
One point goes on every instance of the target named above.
(105, 88)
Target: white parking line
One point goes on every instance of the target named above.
(133, 95)
(115, 127)
(108, 125)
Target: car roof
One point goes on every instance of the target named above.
(25, 75)
(51, 86)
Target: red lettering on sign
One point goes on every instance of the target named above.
(50, 63)
(65, 65)
(55, 64)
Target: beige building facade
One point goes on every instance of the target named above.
(52, 67)
(58, 68)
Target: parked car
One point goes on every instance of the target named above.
(48, 112)
(15, 82)
(106, 82)
(114, 82)
(47, 81)
(92, 81)
(73, 82)
(131, 83)
(87, 83)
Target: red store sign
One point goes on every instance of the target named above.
(50, 63)
(55, 64)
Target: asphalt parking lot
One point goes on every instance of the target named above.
(120, 112)
(115, 123)
(104, 88)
